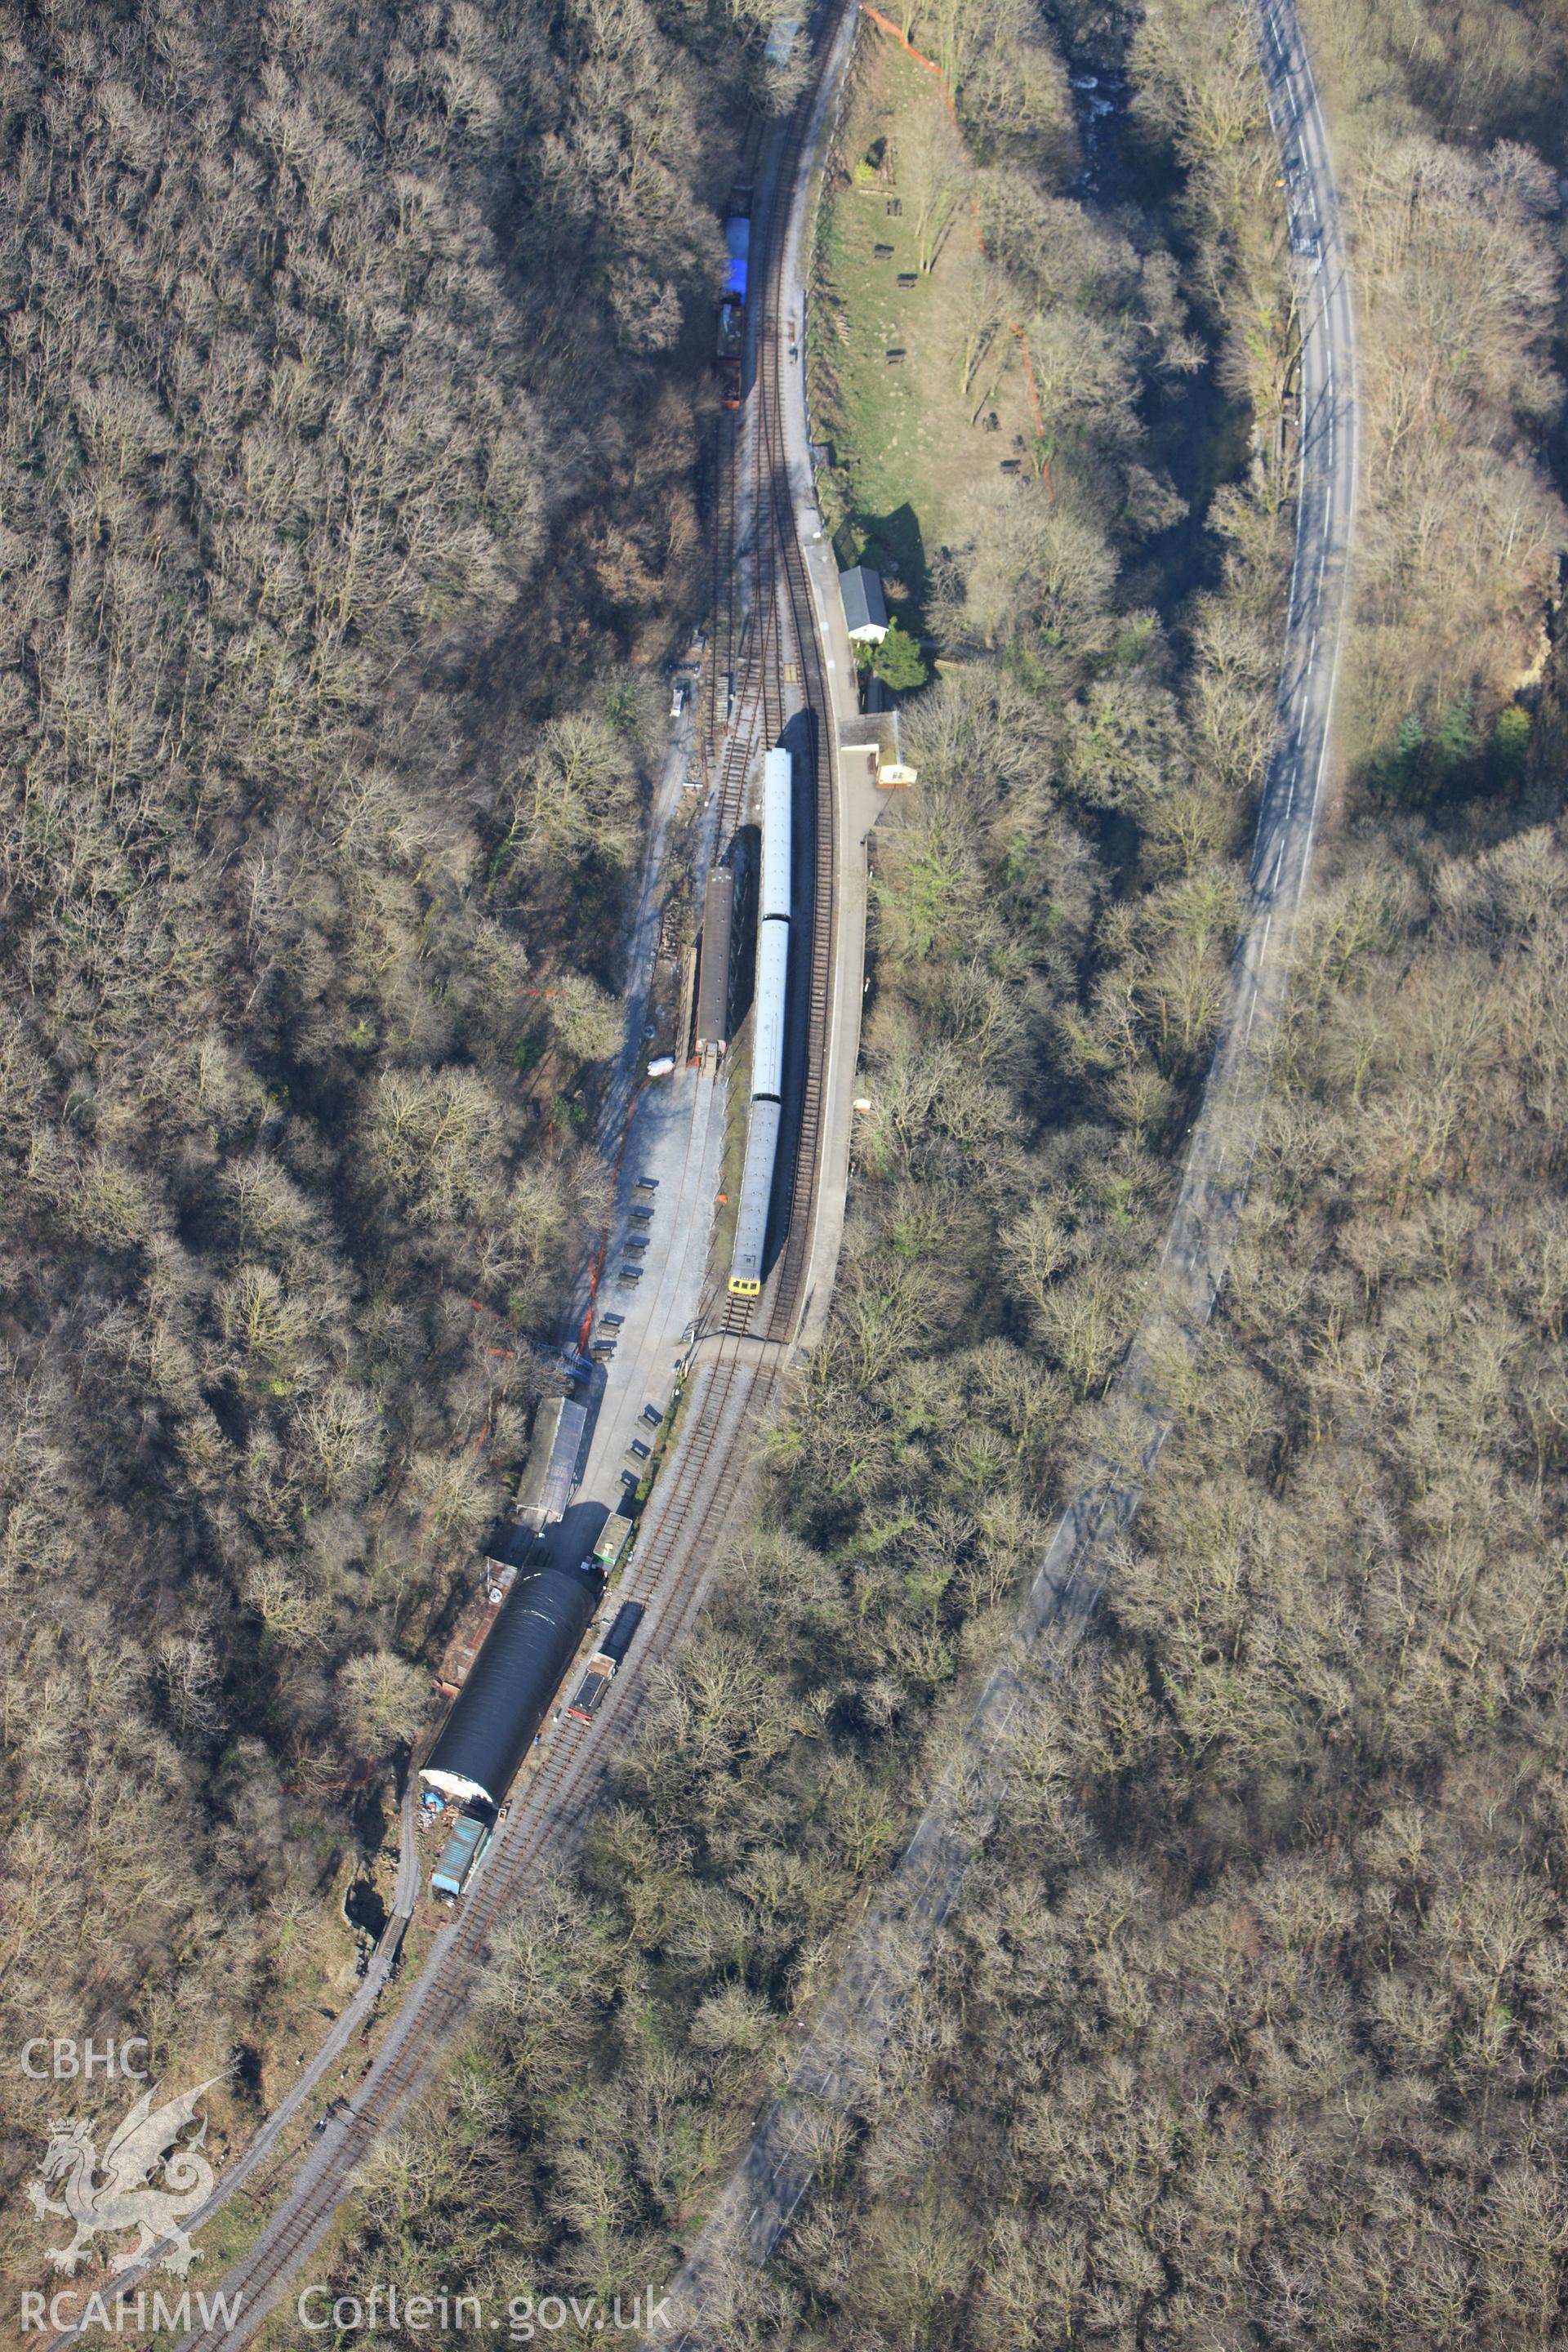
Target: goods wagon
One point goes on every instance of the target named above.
(460, 1858)
(713, 979)
(605, 1662)
(732, 341)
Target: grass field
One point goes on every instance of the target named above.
(908, 461)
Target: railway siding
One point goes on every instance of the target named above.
(781, 679)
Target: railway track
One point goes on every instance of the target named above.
(790, 683)
(727, 745)
(774, 660)
(783, 680)
(549, 1815)
(724, 750)
(837, 2064)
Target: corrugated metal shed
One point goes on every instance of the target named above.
(458, 1855)
(505, 1699)
(561, 1472)
(713, 983)
(550, 1473)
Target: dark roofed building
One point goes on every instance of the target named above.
(500, 1706)
(550, 1473)
(865, 606)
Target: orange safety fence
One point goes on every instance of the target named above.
(904, 42)
(1034, 397)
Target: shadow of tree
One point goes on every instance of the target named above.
(893, 545)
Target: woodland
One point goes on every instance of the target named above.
(1249, 2031)
(346, 494)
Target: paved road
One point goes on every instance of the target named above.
(852, 2027)
(671, 1129)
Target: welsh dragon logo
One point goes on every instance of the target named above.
(122, 2199)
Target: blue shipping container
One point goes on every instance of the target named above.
(458, 1856)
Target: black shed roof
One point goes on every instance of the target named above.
(500, 1706)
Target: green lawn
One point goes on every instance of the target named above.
(908, 461)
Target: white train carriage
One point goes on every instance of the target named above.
(778, 809)
(769, 1009)
(768, 1027)
(756, 1197)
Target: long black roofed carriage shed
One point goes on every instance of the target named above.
(500, 1706)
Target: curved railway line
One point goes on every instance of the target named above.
(549, 1815)
(837, 2064)
(770, 650)
(787, 670)
(791, 621)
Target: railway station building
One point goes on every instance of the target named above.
(865, 606)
